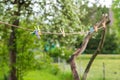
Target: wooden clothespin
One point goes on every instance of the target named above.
(63, 32)
(105, 15)
(95, 28)
(104, 24)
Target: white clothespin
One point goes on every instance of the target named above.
(63, 32)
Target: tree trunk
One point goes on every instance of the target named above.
(76, 53)
(13, 51)
(94, 55)
(74, 71)
(83, 47)
(13, 43)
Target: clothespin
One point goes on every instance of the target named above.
(104, 24)
(106, 15)
(37, 31)
(63, 32)
(91, 30)
(95, 28)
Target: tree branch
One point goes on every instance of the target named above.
(83, 47)
(77, 52)
(94, 55)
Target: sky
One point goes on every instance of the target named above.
(108, 3)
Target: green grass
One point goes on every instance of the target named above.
(40, 75)
(44, 75)
(112, 67)
(100, 56)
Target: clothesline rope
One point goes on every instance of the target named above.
(55, 33)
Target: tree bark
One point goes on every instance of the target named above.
(94, 55)
(83, 47)
(13, 43)
(74, 71)
(77, 52)
(13, 51)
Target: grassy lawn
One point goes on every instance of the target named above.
(44, 75)
(112, 69)
(40, 75)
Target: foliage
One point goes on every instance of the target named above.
(96, 72)
(110, 46)
(116, 28)
(50, 16)
(62, 52)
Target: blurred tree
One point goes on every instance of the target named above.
(50, 16)
(14, 11)
(116, 29)
(111, 45)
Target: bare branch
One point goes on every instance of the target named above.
(83, 47)
(94, 55)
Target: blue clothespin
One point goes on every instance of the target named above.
(37, 31)
(91, 30)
